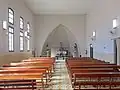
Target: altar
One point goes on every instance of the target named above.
(62, 54)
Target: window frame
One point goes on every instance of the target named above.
(28, 36)
(20, 42)
(9, 16)
(22, 22)
(8, 38)
(28, 29)
(28, 39)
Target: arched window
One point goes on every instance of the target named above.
(10, 30)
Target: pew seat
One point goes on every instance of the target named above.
(94, 73)
(100, 79)
(21, 80)
(94, 85)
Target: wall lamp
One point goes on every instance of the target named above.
(4, 25)
(93, 37)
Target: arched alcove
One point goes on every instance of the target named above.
(60, 35)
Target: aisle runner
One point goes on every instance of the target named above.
(60, 80)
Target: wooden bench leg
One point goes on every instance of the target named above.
(46, 80)
(79, 87)
(43, 84)
(32, 84)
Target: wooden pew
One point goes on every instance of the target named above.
(45, 60)
(43, 70)
(23, 70)
(84, 61)
(73, 71)
(38, 64)
(27, 70)
(48, 67)
(80, 58)
(92, 66)
(35, 62)
(111, 79)
(48, 61)
(20, 80)
(78, 68)
(92, 70)
(97, 66)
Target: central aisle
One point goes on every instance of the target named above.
(60, 79)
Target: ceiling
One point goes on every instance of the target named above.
(60, 6)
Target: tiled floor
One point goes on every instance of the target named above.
(60, 79)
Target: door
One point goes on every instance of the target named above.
(115, 51)
(91, 50)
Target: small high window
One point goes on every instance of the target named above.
(11, 39)
(21, 41)
(115, 23)
(21, 23)
(10, 16)
(27, 35)
(94, 34)
(28, 27)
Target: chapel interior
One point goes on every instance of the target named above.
(59, 45)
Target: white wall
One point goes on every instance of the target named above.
(20, 10)
(57, 36)
(45, 24)
(100, 19)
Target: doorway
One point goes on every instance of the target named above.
(91, 50)
(116, 43)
